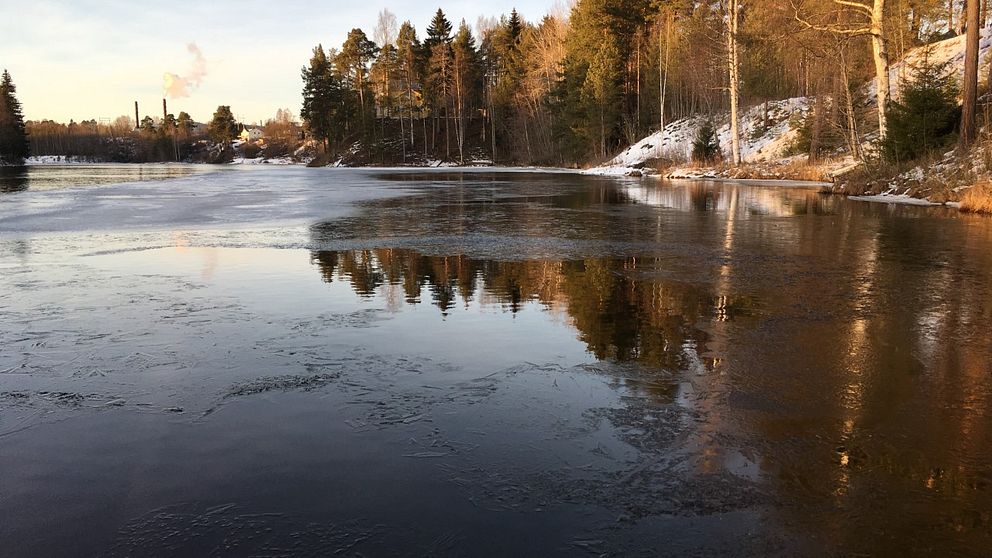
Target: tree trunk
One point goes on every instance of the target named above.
(815, 133)
(460, 114)
(664, 75)
(880, 55)
(970, 84)
(733, 23)
(638, 125)
(854, 142)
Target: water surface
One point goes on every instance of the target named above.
(445, 363)
(57, 177)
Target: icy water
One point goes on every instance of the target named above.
(314, 362)
(56, 177)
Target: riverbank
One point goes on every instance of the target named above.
(955, 179)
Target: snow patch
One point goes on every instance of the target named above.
(766, 133)
(894, 199)
(56, 160)
(263, 161)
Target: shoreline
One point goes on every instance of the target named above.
(774, 175)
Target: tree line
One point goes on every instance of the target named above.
(578, 85)
(167, 139)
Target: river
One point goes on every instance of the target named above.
(290, 361)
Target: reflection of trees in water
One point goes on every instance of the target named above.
(530, 207)
(619, 314)
(894, 394)
(704, 197)
(13, 179)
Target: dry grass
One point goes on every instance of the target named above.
(801, 170)
(792, 170)
(977, 199)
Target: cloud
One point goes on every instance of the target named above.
(176, 86)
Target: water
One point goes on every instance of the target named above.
(319, 361)
(57, 177)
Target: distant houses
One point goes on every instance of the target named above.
(251, 134)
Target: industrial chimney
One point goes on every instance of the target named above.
(137, 122)
(165, 111)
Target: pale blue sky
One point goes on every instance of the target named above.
(84, 59)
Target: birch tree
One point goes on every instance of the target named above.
(733, 21)
(873, 27)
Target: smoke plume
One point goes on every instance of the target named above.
(177, 86)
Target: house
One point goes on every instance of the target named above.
(251, 134)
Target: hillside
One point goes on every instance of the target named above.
(766, 133)
(768, 130)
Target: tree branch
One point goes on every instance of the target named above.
(857, 31)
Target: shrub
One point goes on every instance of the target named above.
(250, 150)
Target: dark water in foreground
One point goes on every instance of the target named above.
(500, 364)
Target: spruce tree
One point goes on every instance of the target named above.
(706, 144)
(438, 31)
(14, 146)
(316, 112)
(437, 45)
(515, 27)
(926, 116)
(328, 105)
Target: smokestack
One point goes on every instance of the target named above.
(165, 111)
(137, 122)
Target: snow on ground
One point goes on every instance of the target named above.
(949, 50)
(285, 160)
(894, 198)
(56, 160)
(767, 139)
(766, 133)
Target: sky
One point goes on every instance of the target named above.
(83, 59)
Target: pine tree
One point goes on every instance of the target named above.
(353, 61)
(147, 125)
(223, 127)
(466, 71)
(185, 124)
(600, 42)
(408, 58)
(601, 91)
(14, 146)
